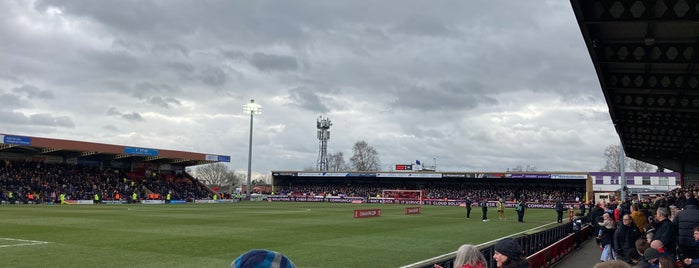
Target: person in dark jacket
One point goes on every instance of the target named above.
(508, 254)
(686, 220)
(665, 231)
(468, 207)
(520, 208)
(625, 238)
(559, 211)
(484, 209)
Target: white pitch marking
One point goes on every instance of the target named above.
(27, 242)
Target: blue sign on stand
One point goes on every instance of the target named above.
(19, 140)
(141, 151)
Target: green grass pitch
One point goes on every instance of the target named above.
(213, 235)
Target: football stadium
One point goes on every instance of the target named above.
(73, 203)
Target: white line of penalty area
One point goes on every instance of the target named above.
(23, 242)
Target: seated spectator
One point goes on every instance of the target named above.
(612, 264)
(508, 254)
(260, 258)
(694, 263)
(468, 256)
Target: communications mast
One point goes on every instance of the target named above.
(323, 125)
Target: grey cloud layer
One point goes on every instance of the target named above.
(415, 79)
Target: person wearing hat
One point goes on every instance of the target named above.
(508, 254)
(651, 255)
(261, 258)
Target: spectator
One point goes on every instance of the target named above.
(501, 209)
(559, 211)
(651, 255)
(520, 208)
(686, 221)
(508, 254)
(606, 236)
(625, 238)
(484, 209)
(665, 261)
(638, 218)
(612, 264)
(468, 207)
(694, 262)
(665, 231)
(468, 256)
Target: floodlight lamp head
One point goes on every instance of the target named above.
(252, 108)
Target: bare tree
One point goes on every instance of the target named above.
(612, 155)
(639, 166)
(365, 157)
(612, 158)
(218, 174)
(336, 162)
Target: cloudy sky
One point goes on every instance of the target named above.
(477, 85)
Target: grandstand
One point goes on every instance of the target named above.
(37, 169)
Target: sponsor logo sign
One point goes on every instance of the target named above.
(367, 213)
(412, 210)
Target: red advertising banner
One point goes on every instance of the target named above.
(412, 210)
(366, 213)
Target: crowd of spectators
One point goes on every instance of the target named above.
(476, 191)
(39, 182)
(665, 223)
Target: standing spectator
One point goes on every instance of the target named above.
(468, 256)
(508, 254)
(484, 209)
(468, 207)
(638, 217)
(501, 209)
(559, 210)
(686, 221)
(595, 216)
(582, 209)
(519, 208)
(625, 238)
(665, 231)
(606, 236)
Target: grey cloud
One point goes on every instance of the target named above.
(110, 128)
(164, 102)
(170, 50)
(133, 116)
(113, 111)
(113, 61)
(446, 96)
(424, 26)
(268, 62)
(180, 67)
(144, 89)
(33, 92)
(213, 76)
(130, 45)
(50, 120)
(10, 101)
(307, 99)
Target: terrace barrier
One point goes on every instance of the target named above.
(543, 248)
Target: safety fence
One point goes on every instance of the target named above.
(543, 248)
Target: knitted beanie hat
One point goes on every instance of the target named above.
(260, 258)
(510, 248)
